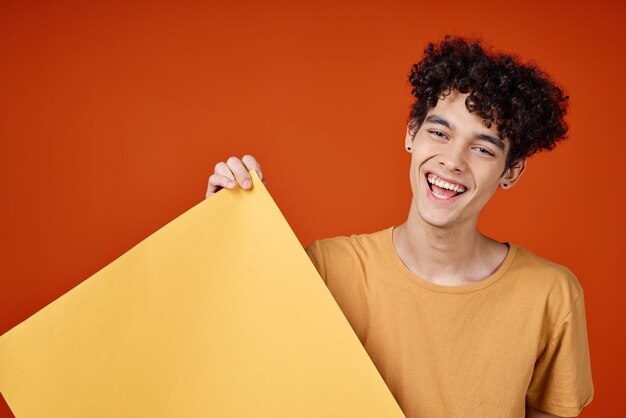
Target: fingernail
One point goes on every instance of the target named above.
(246, 184)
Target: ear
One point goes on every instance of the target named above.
(512, 174)
(411, 130)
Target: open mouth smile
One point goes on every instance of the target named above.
(443, 189)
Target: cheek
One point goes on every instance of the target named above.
(424, 150)
(415, 174)
(489, 183)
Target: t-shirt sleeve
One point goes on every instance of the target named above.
(561, 383)
(314, 251)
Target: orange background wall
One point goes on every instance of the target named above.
(112, 117)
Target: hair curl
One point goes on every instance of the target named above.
(520, 99)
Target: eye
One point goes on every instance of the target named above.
(485, 151)
(438, 134)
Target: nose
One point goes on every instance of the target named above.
(453, 157)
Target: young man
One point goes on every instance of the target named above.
(458, 324)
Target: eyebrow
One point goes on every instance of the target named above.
(489, 138)
(492, 139)
(440, 121)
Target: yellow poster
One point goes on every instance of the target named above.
(220, 313)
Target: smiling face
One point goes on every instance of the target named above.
(457, 164)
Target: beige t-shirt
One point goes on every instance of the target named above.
(479, 350)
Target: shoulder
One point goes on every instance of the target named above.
(346, 252)
(342, 246)
(552, 283)
(355, 242)
(541, 270)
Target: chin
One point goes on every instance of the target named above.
(434, 218)
(438, 223)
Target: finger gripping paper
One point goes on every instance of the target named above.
(220, 313)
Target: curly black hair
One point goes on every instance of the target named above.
(520, 99)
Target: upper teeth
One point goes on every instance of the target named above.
(433, 179)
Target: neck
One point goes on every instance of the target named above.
(453, 255)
